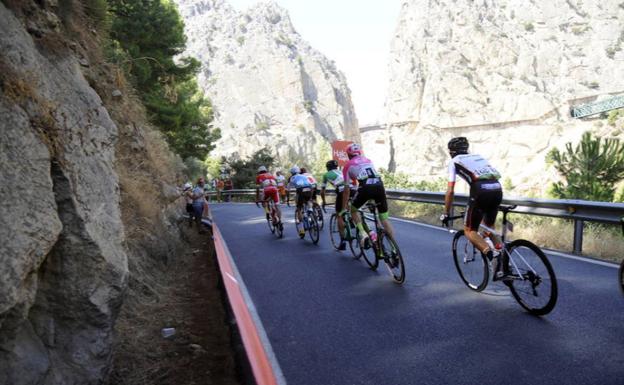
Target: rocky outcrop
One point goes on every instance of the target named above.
(268, 86)
(502, 72)
(63, 267)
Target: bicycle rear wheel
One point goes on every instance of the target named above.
(313, 229)
(471, 264)
(318, 214)
(621, 276)
(334, 232)
(392, 257)
(532, 279)
(279, 229)
(354, 246)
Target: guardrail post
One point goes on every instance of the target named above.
(578, 236)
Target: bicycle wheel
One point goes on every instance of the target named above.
(369, 251)
(334, 233)
(354, 245)
(471, 264)
(313, 229)
(318, 214)
(299, 226)
(621, 276)
(532, 279)
(279, 229)
(392, 257)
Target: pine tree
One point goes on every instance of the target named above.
(591, 169)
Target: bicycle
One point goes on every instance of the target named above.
(621, 270)
(275, 225)
(349, 236)
(384, 247)
(528, 273)
(309, 223)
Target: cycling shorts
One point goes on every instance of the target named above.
(339, 199)
(281, 190)
(270, 192)
(375, 192)
(304, 194)
(485, 197)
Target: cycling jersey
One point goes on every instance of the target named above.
(281, 180)
(269, 186)
(300, 181)
(486, 192)
(471, 167)
(335, 178)
(361, 169)
(370, 186)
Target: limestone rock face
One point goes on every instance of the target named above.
(502, 72)
(268, 86)
(63, 267)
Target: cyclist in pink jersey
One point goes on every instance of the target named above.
(361, 171)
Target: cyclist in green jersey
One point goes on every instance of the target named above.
(334, 177)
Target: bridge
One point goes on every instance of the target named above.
(326, 318)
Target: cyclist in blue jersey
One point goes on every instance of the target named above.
(303, 185)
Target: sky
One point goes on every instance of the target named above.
(355, 34)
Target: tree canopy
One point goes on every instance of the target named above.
(591, 169)
(147, 37)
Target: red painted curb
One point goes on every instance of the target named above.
(256, 351)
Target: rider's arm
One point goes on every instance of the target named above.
(450, 190)
(448, 198)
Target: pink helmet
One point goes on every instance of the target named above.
(354, 149)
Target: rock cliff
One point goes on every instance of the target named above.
(504, 73)
(63, 251)
(268, 86)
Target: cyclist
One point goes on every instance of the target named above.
(312, 180)
(303, 186)
(334, 177)
(361, 171)
(281, 185)
(267, 182)
(486, 195)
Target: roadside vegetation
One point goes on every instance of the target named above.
(144, 40)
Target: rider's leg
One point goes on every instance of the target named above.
(386, 223)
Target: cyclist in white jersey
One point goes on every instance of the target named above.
(486, 195)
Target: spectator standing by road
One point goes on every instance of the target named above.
(199, 202)
(187, 192)
(228, 185)
(220, 185)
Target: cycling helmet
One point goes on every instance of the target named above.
(458, 145)
(331, 165)
(187, 186)
(353, 150)
(262, 169)
(294, 170)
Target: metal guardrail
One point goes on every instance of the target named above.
(579, 211)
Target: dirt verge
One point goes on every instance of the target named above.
(188, 299)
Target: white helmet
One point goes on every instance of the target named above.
(294, 170)
(262, 169)
(187, 186)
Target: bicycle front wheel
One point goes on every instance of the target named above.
(313, 229)
(532, 279)
(621, 276)
(471, 264)
(392, 257)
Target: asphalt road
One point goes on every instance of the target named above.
(331, 320)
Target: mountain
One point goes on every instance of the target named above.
(504, 73)
(268, 86)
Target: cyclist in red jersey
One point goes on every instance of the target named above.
(267, 182)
